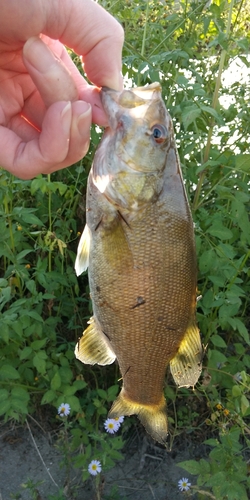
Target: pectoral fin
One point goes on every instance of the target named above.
(186, 365)
(93, 348)
(82, 258)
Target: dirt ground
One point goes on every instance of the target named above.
(30, 456)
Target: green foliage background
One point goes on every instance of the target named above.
(44, 308)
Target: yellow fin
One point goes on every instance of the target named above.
(186, 365)
(82, 258)
(93, 348)
(153, 417)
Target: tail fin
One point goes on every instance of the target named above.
(153, 417)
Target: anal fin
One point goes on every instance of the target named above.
(93, 348)
(186, 365)
(82, 258)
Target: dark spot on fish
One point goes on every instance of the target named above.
(98, 289)
(170, 328)
(123, 218)
(106, 335)
(139, 302)
(97, 225)
(160, 318)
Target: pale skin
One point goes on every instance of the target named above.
(46, 106)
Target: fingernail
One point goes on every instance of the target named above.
(81, 120)
(38, 54)
(116, 83)
(66, 114)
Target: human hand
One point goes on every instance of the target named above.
(46, 106)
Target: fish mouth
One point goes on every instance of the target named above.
(130, 98)
(114, 101)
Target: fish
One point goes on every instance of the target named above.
(138, 245)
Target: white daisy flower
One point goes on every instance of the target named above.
(94, 467)
(64, 410)
(111, 425)
(119, 420)
(183, 484)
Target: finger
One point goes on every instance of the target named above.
(63, 140)
(56, 78)
(48, 72)
(92, 33)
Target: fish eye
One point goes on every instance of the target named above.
(159, 133)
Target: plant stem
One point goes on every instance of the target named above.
(50, 219)
(214, 106)
(144, 39)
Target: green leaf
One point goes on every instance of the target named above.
(236, 391)
(23, 254)
(5, 406)
(4, 394)
(102, 393)
(211, 111)
(9, 372)
(38, 344)
(244, 404)
(3, 282)
(190, 466)
(55, 382)
(35, 315)
(221, 232)
(25, 353)
(189, 115)
(206, 261)
(39, 183)
(73, 402)
(48, 397)
(30, 218)
(242, 162)
(217, 479)
(19, 405)
(69, 390)
(4, 332)
(218, 341)
(237, 491)
(212, 442)
(20, 393)
(238, 325)
(39, 361)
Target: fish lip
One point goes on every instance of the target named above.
(105, 90)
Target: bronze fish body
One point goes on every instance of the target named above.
(138, 245)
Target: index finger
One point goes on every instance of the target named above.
(92, 33)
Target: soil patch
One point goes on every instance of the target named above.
(31, 457)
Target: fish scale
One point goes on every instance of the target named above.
(138, 244)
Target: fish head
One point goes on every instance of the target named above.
(130, 162)
(140, 129)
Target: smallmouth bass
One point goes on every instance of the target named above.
(138, 246)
